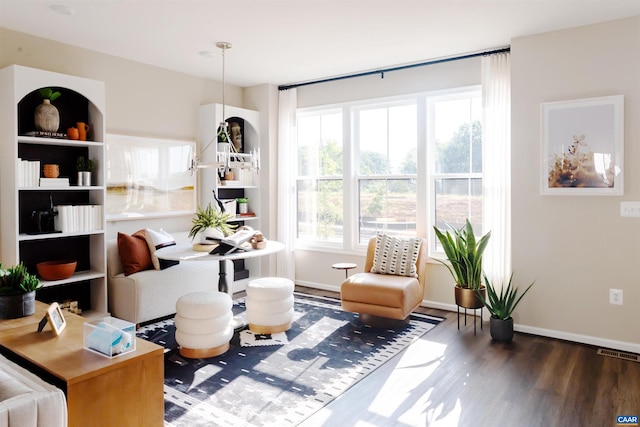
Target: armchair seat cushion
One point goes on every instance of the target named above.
(381, 295)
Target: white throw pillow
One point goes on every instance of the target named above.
(396, 255)
(157, 240)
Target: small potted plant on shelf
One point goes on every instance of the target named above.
(501, 305)
(464, 253)
(47, 117)
(84, 167)
(243, 205)
(210, 224)
(17, 292)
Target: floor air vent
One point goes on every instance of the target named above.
(619, 355)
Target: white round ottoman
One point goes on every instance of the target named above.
(203, 324)
(269, 304)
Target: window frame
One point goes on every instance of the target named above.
(425, 176)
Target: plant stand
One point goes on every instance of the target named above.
(474, 318)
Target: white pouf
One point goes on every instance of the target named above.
(203, 324)
(269, 304)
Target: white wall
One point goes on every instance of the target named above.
(142, 100)
(576, 247)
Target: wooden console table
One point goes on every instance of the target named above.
(126, 390)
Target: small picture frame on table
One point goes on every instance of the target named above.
(55, 318)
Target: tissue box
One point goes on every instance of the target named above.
(109, 336)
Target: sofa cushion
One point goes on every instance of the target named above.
(158, 240)
(134, 252)
(395, 255)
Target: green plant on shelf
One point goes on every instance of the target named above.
(48, 93)
(84, 165)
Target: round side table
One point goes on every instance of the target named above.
(346, 266)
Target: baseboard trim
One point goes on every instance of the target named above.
(321, 286)
(550, 333)
(583, 339)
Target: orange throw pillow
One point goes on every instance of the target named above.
(134, 252)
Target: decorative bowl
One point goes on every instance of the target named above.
(56, 270)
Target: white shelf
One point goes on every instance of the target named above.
(26, 237)
(69, 188)
(36, 140)
(244, 218)
(78, 276)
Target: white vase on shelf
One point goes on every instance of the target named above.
(47, 117)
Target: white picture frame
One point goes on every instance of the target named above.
(583, 147)
(149, 177)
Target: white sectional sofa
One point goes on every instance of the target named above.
(28, 401)
(151, 294)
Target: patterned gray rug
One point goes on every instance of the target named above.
(325, 352)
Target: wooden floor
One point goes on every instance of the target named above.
(456, 378)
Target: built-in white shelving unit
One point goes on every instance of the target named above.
(245, 183)
(82, 100)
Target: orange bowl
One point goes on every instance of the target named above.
(56, 270)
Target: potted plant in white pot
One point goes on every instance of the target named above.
(210, 223)
(501, 305)
(464, 253)
(17, 292)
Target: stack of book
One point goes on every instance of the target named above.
(28, 173)
(54, 182)
(78, 218)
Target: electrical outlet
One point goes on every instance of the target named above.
(630, 209)
(615, 296)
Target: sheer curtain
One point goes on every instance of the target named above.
(496, 161)
(287, 102)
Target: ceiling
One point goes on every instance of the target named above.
(292, 41)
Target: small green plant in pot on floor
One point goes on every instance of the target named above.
(464, 253)
(210, 223)
(501, 305)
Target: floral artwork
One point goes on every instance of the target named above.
(577, 167)
(582, 144)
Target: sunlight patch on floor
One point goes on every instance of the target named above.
(405, 389)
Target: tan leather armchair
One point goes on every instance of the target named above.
(381, 299)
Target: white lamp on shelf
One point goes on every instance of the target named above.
(227, 156)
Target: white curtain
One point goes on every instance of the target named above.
(287, 100)
(496, 164)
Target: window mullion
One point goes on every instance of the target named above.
(349, 183)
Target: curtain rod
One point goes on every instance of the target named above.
(401, 67)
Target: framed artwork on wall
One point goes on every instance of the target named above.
(582, 147)
(149, 177)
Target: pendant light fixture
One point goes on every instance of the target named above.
(227, 155)
(223, 132)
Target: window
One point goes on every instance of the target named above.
(359, 169)
(386, 140)
(455, 169)
(319, 186)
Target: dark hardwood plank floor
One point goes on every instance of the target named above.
(456, 378)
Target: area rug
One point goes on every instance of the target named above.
(285, 380)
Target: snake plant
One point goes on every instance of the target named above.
(464, 253)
